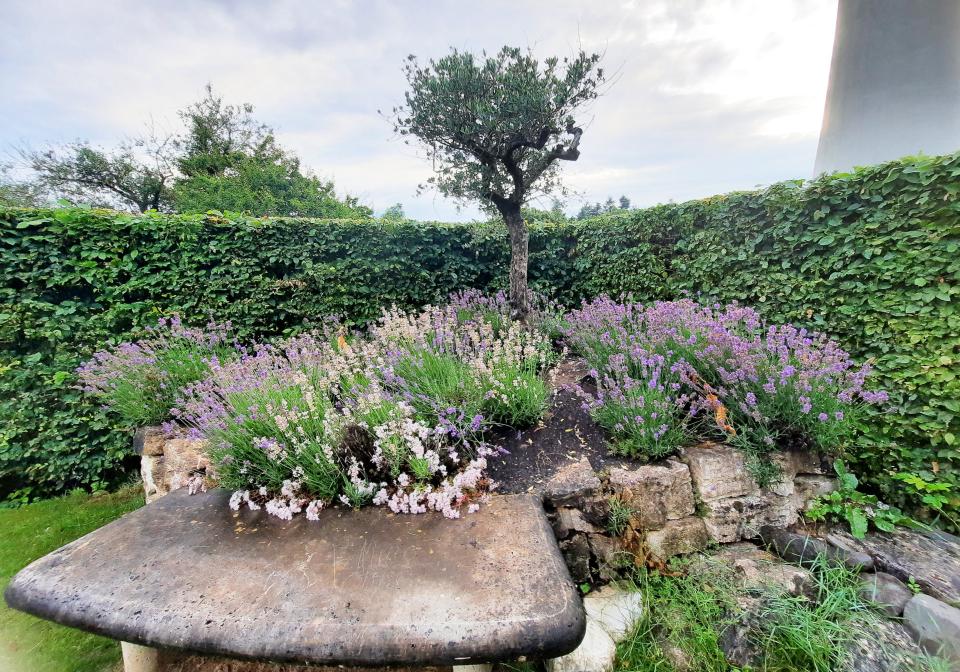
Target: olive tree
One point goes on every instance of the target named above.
(496, 128)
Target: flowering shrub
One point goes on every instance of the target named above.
(394, 418)
(140, 380)
(676, 370)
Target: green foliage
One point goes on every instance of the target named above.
(858, 509)
(230, 162)
(619, 513)
(690, 607)
(28, 644)
(871, 258)
(495, 125)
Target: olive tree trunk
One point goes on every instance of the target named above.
(519, 253)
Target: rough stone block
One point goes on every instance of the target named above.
(596, 653)
(677, 537)
(576, 554)
(572, 484)
(149, 440)
(617, 611)
(886, 591)
(808, 487)
(736, 518)
(567, 520)
(936, 626)
(656, 492)
(609, 554)
(718, 471)
(755, 568)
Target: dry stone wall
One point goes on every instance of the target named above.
(674, 507)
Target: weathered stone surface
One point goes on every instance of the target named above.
(796, 462)
(810, 486)
(567, 520)
(356, 587)
(656, 492)
(149, 440)
(734, 518)
(572, 484)
(881, 645)
(931, 558)
(886, 591)
(168, 463)
(718, 471)
(617, 611)
(755, 568)
(736, 639)
(170, 661)
(596, 653)
(609, 554)
(678, 537)
(804, 549)
(576, 553)
(936, 626)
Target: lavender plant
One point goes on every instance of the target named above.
(677, 370)
(141, 380)
(394, 418)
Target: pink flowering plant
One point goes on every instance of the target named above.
(676, 370)
(141, 380)
(394, 417)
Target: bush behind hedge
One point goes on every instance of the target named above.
(870, 257)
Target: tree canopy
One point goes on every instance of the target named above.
(224, 160)
(495, 128)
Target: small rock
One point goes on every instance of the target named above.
(656, 492)
(576, 553)
(755, 569)
(736, 518)
(718, 471)
(596, 653)
(808, 487)
(149, 441)
(936, 626)
(803, 549)
(566, 520)
(887, 591)
(571, 484)
(617, 611)
(678, 537)
(610, 555)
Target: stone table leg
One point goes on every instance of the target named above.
(472, 668)
(138, 658)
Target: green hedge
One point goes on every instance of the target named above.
(872, 258)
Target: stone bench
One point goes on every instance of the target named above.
(357, 587)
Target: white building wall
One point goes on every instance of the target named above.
(894, 83)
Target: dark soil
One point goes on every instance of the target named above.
(565, 434)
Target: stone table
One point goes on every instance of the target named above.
(357, 587)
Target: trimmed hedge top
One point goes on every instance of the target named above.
(872, 258)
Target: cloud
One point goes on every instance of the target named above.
(707, 97)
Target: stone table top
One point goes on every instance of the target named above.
(357, 587)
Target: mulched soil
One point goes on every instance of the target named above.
(565, 434)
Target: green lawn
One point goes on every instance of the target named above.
(28, 644)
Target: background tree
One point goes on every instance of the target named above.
(495, 128)
(598, 208)
(229, 161)
(137, 175)
(224, 159)
(19, 193)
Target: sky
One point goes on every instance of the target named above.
(705, 97)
